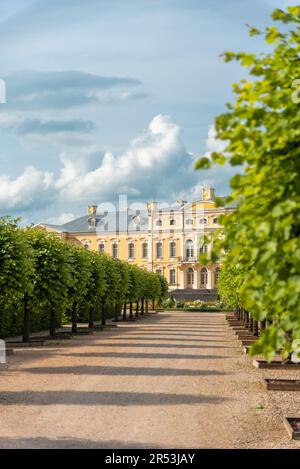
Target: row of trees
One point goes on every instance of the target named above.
(44, 280)
(260, 249)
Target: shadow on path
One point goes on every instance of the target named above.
(92, 398)
(69, 443)
(121, 371)
(159, 356)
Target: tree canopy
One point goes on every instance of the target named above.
(260, 246)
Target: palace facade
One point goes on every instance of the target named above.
(164, 240)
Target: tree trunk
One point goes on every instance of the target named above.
(251, 322)
(255, 328)
(247, 321)
(130, 311)
(153, 304)
(125, 312)
(142, 307)
(103, 314)
(137, 309)
(117, 312)
(52, 322)
(91, 317)
(26, 324)
(74, 319)
(262, 326)
(147, 306)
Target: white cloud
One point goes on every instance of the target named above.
(156, 158)
(214, 144)
(155, 161)
(156, 164)
(31, 188)
(60, 219)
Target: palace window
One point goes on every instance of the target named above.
(204, 276)
(203, 221)
(114, 250)
(159, 223)
(159, 271)
(190, 277)
(189, 249)
(145, 250)
(159, 250)
(172, 276)
(86, 245)
(189, 221)
(203, 249)
(131, 251)
(173, 249)
(172, 222)
(215, 221)
(101, 247)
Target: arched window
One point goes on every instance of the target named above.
(172, 222)
(86, 244)
(101, 247)
(145, 250)
(189, 249)
(204, 276)
(159, 250)
(203, 221)
(173, 249)
(217, 272)
(114, 250)
(203, 249)
(131, 251)
(189, 221)
(190, 278)
(159, 223)
(172, 277)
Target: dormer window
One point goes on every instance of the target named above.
(92, 222)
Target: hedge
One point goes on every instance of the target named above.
(45, 281)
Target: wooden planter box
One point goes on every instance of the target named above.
(292, 425)
(248, 342)
(283, 384)
(276, 365)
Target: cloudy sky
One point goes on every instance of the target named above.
(114, 96)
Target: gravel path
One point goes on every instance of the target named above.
(176, 380)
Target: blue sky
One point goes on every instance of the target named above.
(114, 96)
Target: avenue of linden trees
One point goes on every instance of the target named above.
(169, 326)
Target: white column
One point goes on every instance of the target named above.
(195, 286)
(209, 279)
(181, 274)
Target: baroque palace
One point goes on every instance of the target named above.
(165, 240)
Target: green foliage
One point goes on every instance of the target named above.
(58, 278)
(261, 242)
(16, 272)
